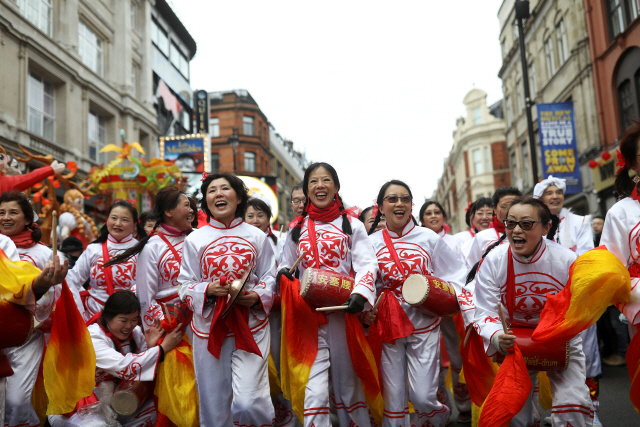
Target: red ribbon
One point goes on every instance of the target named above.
(108, 274)
(497, 225)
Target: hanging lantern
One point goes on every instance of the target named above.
(606, 156)
(593, 164)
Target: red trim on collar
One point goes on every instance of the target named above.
(405, 230)
(221, 226)
(536, 256)
(124, 239)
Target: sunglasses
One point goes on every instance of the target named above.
(525, 225)
(393, 199)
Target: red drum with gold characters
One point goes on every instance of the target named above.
(537, 356)
(324, 288)
(130, 395)
(18, 324)
(430, 295)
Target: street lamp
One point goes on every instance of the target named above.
(234, 141)
(522, 12)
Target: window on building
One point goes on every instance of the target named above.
(563, 42)
(477, 161)
(247, 125)
(41, 104)
(90, 48)
(215, 162)
(526, 166)
(628, 87)
(214, 127)
(533, 84)
(519, 97)
(97, 136)
(620, 14)
(249, 161)
(38, 12)
(477, 116)
(487, 159)
(549, 57)
(185, 120)
(160, 38)
(134, 15)
(174, 55)
(184, 66)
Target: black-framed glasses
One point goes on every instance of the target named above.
(526, 225)
(297, 201)
(393, 199)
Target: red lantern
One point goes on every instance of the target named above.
(606, 156)
(593, 164)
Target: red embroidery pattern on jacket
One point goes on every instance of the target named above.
(413, 257)
(531, 290)
(367, 281)
(102, 376)
(333, 247)
(466, 298)
(169, 267)
(123, 274)
(230, 256)
(153, 312)
(133, 371)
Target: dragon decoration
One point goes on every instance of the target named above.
(127, 174)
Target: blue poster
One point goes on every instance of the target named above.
(558, 144)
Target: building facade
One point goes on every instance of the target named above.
(288, 166)
(73, 73)
(614, 36)
(560, 70)
(478, 161)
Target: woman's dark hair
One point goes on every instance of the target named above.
(346, 225)
(426, 205)
(147, 216)
(363, 214)
(104, 232)
(120, 302)
(261, 206)
(543, 212)
(628, 148)
(467, 215)
(166, 199)
(193, 204)
(380, 200)
(23, 202)
(238, 186)
(482, 202)
(502, 192)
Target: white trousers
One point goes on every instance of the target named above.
(143, 417)
(450, 337)
(333, 354)
(593, 364)
(410, 372)
(25, 361)
(571, 400)
(284, 413)
(235, 388)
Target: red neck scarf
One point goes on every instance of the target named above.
(23, 239)
(497, 225)
(328, 214)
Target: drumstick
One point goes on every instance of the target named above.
(375, 307)
(467, 336)
(504, 323)
(54, 229)
(166, 312)
(281, 228)
(297, 262)
(335, 307)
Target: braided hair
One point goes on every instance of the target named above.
(346, 225)
(380, 200)
(628, 148)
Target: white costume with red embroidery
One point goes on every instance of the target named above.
(113, 364)
(465, 236)
(546, 272)
(621, 236)
(342, 254)
(416, 357)
(25, 359)
(89, 266)
(157, 273)
(236, 386)
(480, 244)
(451, 341)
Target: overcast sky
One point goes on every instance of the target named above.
(373, 88)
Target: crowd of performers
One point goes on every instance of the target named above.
(271, 358)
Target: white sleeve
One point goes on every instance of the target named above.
(447, 266)
(266, 272)
(487, 295)
(584, 237)
(614, 237)
(139, 367)
(364, 262)
(9, 248)
(81, 271)
(475, 254)
(193, 291)
(289, 253)
(147, 281)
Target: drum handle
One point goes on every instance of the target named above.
(297, 262)
(166, 312)
(335, 307)
(504, 323)
(375, 307)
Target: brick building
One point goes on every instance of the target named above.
(478, 162)
(614, 38)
